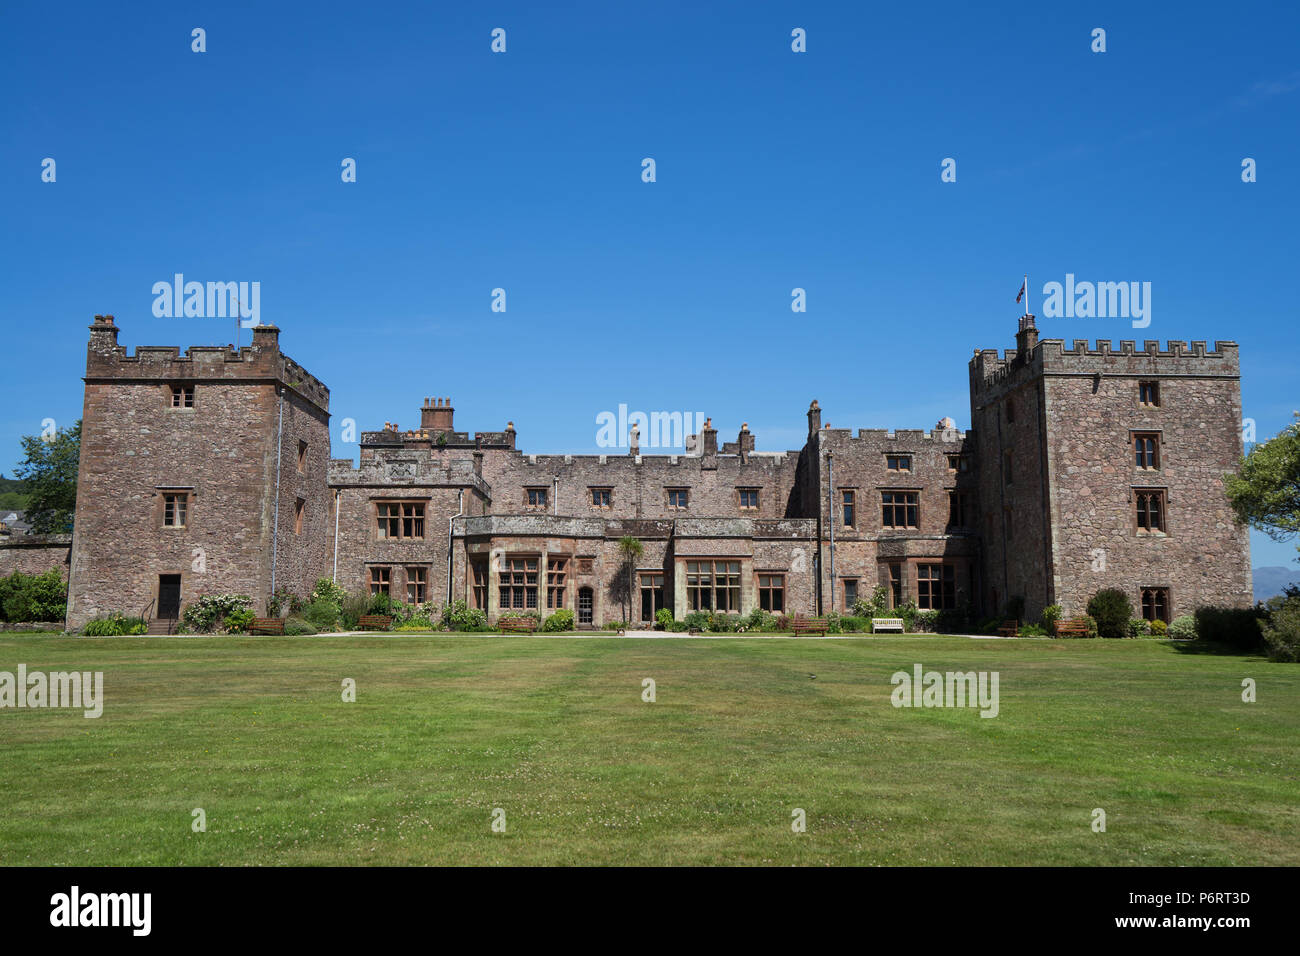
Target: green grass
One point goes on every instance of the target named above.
(554, 731)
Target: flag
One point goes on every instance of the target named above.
(1021, 294)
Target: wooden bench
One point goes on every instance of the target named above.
(886, 624)
(374, 622)
(1009, 629)
(518, 625)
(267, 625)
(808, 625)
(1074, 627)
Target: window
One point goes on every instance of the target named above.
(678, 499)
(850, 593)
(175, 506)
(771, 592)
(898, 462)
(299, 507)
(535, 497)
(959, 464)
(935, 587)
(896, 584)
(519, 584)
(400, 519)
(748, 499)
(555, 571)
(1149, 394)
(379, 580)
(1150, 511)
(302, 457)
(1008, 468)
(1155, 604)
(652, 595)
(601, 497)
(899, 509)
(480, 574)
(182, 396)
(1146, 450)
(959, 510)
(416, 583)
(848, 498)
(713, 585)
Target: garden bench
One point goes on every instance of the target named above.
(521, 625)
(1074, 627)
(1009, 629)
(267, 625)
(374, 622)
(808, 625)
(886, 624)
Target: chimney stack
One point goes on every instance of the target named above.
(436, 415)
(103, 334)
(814, 418)
(266, 337)
(710, 438)
(1026, 338)
(745, 441)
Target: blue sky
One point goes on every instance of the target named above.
(522, 171)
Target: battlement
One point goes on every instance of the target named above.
(261, 361)
(990, 370)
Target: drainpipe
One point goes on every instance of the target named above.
(275, 528)
(555, 496)
(335, 576)
(830, 493)
(460, 510)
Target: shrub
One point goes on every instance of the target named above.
(380, 604)
(114, 625)
(327, 590)
(698, 621)
(907, 611)
(989, 625)
(663, 618)
(297, 627)
(854, 624)
(416, 622)
(782, 623)
(1240, 627)
(1033, 630)
(677, 627)
(283, 600)
(561, 620)
(1112, 611)
(1159, 628)
(237, 622)
(1281, 627)
(459, 616)
(354, 605)
(614, 625)
(1091, 623)
(875, 606)
(33, 597)
(1051, 614)
(924, 621)
(209, 612)
(1183, 628)
(720, 623)
(760, 620)
(322, 615)
(1139, 627)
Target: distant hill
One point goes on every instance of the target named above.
(13, 494)
(1271, 580)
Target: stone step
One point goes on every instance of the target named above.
(160, 625)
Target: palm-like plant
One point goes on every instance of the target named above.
(630, 548)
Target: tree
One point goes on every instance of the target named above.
(50, 477)
(631, 549)
(1265, 492)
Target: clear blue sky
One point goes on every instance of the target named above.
(775, 170)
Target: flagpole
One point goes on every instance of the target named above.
(1026, 293)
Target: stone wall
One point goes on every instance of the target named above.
(34, 553)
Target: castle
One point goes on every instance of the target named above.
(210, 472)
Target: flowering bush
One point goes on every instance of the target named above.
(210, 611)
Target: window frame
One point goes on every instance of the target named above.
(518, 577)
(421, 581)
(741, 493)
(699, 582)
(171, 502)
(770, 588)
(1142, 511)
(607, 493)
(381, 579)
(186, 394)
(1159, 597)
(888, 509)
(1154, 386)
(928, 585)
(899, 462)
(1153, 455)
(849, 508)
(537, 497)
(684, 493)
(408, 513)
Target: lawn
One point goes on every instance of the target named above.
(554, 732)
